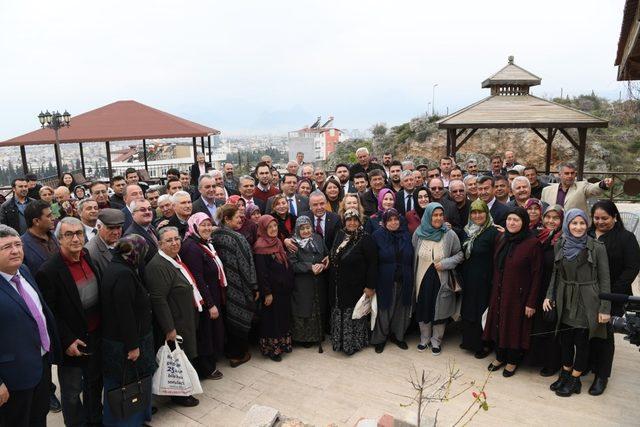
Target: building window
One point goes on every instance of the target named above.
(332, 132)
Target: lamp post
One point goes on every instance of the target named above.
(55, 121)
(433, 99)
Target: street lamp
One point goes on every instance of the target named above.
(55, 121)
(433, 97)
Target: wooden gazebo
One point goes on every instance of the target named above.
(628, 55)
(510, 105)
(119, 121)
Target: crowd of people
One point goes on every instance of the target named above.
(95, 278)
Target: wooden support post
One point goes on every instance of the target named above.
(582, 150)
(109, 167)
(465, 139)
(210, 155)
(195, 149)
(84, 173)
(144, 154)
(202, 144)
(551, 133)
(23, 156)
(452, 136)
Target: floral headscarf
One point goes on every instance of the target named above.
(139, 247)
(472, 229)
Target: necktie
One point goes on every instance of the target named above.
(152, 233)
(94, 231)
(409, 202)
(33, 309)
(319, 227)
(292, 209)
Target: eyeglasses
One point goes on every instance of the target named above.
(437, 188)
(9, 246)
(432, 175)
(143, 210)
(71, 234)
(456, 191)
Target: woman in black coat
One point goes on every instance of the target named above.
(477, 273)
(127, 337)
(353, 269)
(624, 263)
(198, 254)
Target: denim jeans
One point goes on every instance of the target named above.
(86, 380)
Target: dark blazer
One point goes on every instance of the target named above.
(175, 222)
(499, 212)
(331, 226)
(116, 201)
(152, 248)
(10, 215)
(60, 291)
(199, 206)
(20, 359)
(99, 253)
(128, 218)
(195, 172)
(34, 255)
(401, 205)
(369, 202)
(302, 204)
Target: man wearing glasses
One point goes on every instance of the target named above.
(142, 218)
(70, 284)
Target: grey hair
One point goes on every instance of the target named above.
(83, 202)
(308, 165)
(469, 177)
(179, 195)
(126, 189)
(567, 165)
(6, 231)
(407, 163)
(518, 179)
(133, 205)
(163, 230)
(204, 176)
(317, 193)
(69, 220)
(474, 161)
(292, 163)
(362, 150)
(215, 173)
(164, 197)
(247, 178)
(405, 174)
(456, 181)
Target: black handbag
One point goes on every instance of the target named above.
(455, 281)
(131, 398)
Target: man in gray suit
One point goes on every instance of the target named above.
(109, 227)
(297, 203)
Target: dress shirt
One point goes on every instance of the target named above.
(89, 232)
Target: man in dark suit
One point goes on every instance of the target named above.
(326, 224)
(439, 194)
(404, 197)
(497, 210)
(183, 208)
(369, 198)
(200, 167)
(12, 211)
(131, 192)
(141, 225)
(109, 225)
(247, 188)
(70, 285)
(344, 177)
(365, 164)
(206, 202)
(297, 203)
(28, 336)
(218, 181)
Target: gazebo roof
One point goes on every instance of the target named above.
(511, 74)
(628, 55)
(119, 121)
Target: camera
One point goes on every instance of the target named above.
(629, 324)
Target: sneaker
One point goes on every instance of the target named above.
(436, 351)
(422, 347)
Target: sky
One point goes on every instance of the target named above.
(251, 67)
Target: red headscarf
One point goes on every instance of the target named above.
(266, 245)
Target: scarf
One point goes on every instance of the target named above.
(428, 231)
(474, 230)
(194, 222)
(177, 263)
(573, 245)
(302, 243)
(538, 203)
(547, 235)
(138, 250)
(381, 195)
(266, 245)
(510, 240)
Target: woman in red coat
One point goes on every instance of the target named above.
(517, 273)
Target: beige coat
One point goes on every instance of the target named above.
(576, 197)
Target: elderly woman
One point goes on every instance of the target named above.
(127, 334)
(353, 270)
(79, 192)
(437, 251)
(242, 289)
(421, 199)
(545, 348)
(334, 193)
(275, 282)
(394, 286)
(309, 263)
(248, 227)
(517, 274)
(386, 200)
(199, 255)
(477, 271)
(280, 212)
(534, 209)
(175, 298)
(580, 273)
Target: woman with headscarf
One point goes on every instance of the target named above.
(286, 220)
(437, 252)
(353, 269)
(394, 287)
(334, 193)
(304, 187)
(545, 347)
(421, 199)
(517, 275)
(248, 228)
(623, 253)
(127, 336)
(580, 273)
(79, 192)
(477, 272)
(309, 294)
(275, 282)
(386, 200)
(201, 258)
(242, 290)
(534, 210)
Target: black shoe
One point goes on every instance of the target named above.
(571, 386)
(403, 345)
(276, 358)
(506, 373)
(548, 372)
(186, 401)
(54, 403)
(481, 354)
(598, 386)
(562, 378)
(380, 347)
(436, 351)
(215, 375)
(493, 368)
(154, 410)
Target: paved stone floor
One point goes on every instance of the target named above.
(321, 389)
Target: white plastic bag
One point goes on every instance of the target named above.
(362, 308)
(175, 375)
(374, 311)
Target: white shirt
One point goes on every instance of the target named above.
(31, 292)
(490, 204)
(89, 232)
(295, 204)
